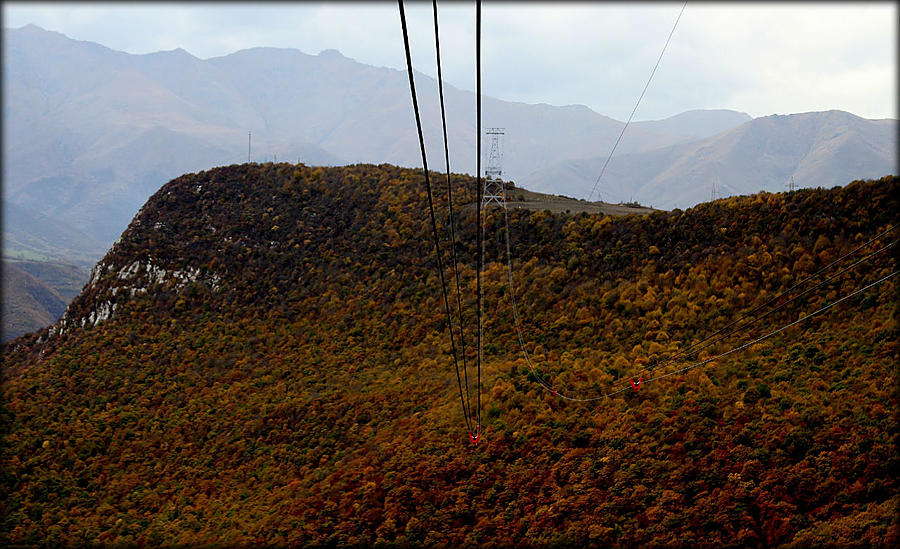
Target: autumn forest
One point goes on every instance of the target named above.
(263, 359)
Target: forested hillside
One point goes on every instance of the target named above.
(28, 303)
(35, 294)
(262, 358)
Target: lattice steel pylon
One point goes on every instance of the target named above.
(493, 185)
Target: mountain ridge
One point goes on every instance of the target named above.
(101, 97)
(820, 148)
(92, 132)
(697, 123)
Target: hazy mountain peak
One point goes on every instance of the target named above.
(270, 53)
(579, 108)
(32, 31)
(31, 27)
(332, 54)
(817, 149)
(38, 37)
(697, 123)
(177, 53)
(827, 114)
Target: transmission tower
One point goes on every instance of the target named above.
(716, 191)
(493, 185)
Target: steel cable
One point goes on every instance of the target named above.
(479, 198)
(774, 299)
(437, 245)
(461, 323)
(556, 392)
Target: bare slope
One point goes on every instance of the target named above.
(36, 293)
(524, 199)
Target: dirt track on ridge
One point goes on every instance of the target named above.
(518, 199)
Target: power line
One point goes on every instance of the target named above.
(437, 48)
(636, 104)
(745, 345)
(556, 392)
(515, 310)
(774, 299)
(775, 332)
(465, 400)
(775, 310)
(437, 246)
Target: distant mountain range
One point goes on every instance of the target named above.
(816, 149)
(90, 133)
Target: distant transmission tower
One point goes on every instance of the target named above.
(791, 185)
(715, 189)
(248, 147)
(493, 185)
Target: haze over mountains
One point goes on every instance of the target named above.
(91, 132)
(819, 149)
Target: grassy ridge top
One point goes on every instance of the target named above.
(262, 358)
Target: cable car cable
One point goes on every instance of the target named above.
(461, 323)
(775, 332)
(479, 196)
(745, 345)
(437, 246)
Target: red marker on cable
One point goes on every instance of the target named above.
(474, 438)
(637, 385)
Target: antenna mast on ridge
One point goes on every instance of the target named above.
(493, 185)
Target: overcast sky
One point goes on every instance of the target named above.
(759, 58)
